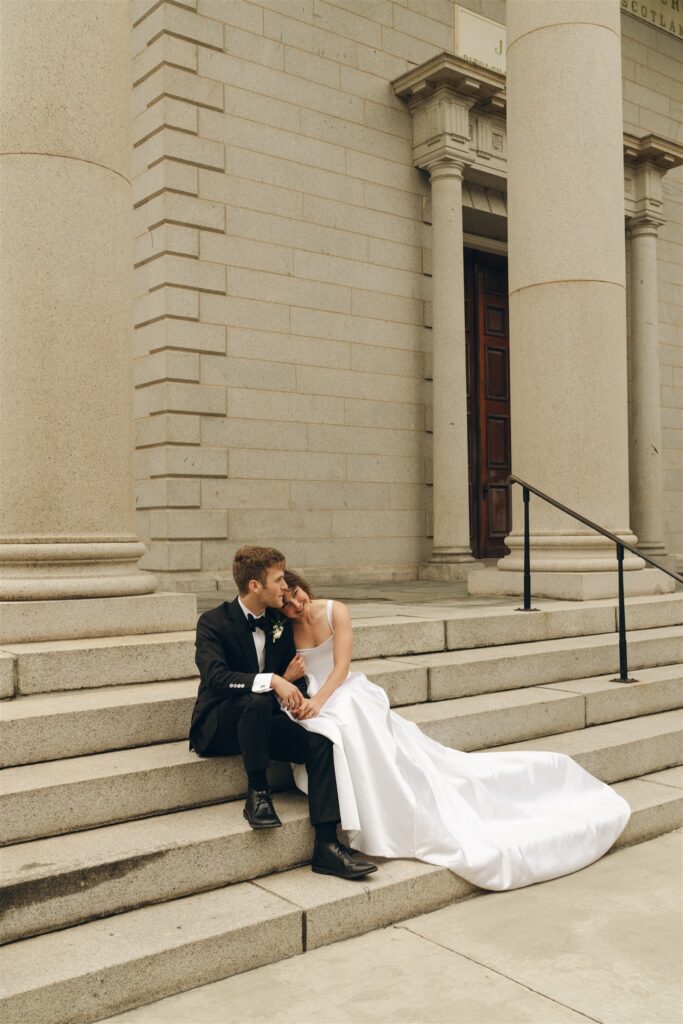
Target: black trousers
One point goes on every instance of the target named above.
(261, 732)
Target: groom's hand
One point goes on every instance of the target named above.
(290, 695)
(295, 670)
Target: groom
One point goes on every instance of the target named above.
(249, 672)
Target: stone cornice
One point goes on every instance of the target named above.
(484, 87)
(646, 161)
(458, 115)
(654, 149)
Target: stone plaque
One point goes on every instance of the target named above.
(479, 40)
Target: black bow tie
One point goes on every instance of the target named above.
(255, 623)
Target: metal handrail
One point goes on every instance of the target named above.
(621, 545)
(594, 526)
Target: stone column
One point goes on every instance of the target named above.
(645, 432)
(66, 503)
(567, 297)
(647, 160)
(451, 551)
(440, 94)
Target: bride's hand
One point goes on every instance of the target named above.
(310, 708)
(295, 670)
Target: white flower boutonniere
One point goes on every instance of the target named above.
(278, 630)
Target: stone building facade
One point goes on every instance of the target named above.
(284, 267)
(338, 344)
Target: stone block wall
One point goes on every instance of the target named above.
(281, 299)
(282, 280)
(652, 66)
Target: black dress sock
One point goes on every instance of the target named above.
(258, 780)
(326, 831)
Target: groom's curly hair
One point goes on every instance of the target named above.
(252, 563)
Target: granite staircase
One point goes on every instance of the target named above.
(128, 872)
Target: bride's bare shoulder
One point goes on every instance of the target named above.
(319, 608)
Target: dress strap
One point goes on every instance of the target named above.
(330, 605)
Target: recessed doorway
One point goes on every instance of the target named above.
(488, 401)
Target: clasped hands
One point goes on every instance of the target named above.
(291, 697)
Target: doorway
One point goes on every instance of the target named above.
(488, 401)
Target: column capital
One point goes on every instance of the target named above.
(646, 161)
(440, 94)
(645, 223)
(663, 154)
(445, 166)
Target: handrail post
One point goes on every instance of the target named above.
(623, 656)
(527, 555)
(527, 552)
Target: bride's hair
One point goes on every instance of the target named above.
(293, 580)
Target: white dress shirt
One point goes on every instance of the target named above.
(263, 680)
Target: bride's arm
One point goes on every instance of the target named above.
(343, 642)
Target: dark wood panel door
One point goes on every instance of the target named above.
(488, 376)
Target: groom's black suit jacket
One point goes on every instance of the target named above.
(227, 663)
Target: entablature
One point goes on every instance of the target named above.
(646, 161)
(458, 113)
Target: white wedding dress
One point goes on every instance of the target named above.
(500, 820)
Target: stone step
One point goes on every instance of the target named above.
(655, 689)
(64, 880)
(58, 882)
(85, 973)
(476, 627)
(105, 788)
(619, 750)
(8, 683)
(338, 911)
(43, 727)
(51, 726)
(57, 797)
(28, 621)
(465, 673)
(92, 970)
(102, 661)
(489, 719)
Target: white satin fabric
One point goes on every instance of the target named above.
(500, 820)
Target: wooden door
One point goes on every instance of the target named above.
(488, 404)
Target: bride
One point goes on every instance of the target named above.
(500, 820)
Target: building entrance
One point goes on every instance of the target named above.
(488, 401)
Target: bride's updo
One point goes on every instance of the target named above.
(294, 580)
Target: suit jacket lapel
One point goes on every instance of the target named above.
(239, 628)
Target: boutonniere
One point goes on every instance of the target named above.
(277, 631)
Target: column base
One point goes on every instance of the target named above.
(55, 569)
(569, 586)
(448, 568)
(570, 553)
(658, 551)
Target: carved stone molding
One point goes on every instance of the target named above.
(646, 161)
(458, 113)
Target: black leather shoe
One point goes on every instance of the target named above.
(259, 810)
(335, 859)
